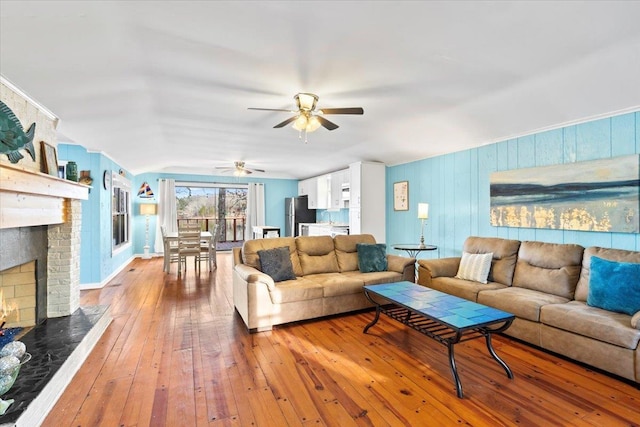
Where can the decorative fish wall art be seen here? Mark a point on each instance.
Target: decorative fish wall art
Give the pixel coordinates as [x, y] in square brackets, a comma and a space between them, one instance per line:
[13, 138]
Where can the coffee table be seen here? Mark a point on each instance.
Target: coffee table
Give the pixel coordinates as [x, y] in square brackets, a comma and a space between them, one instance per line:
[446, 318]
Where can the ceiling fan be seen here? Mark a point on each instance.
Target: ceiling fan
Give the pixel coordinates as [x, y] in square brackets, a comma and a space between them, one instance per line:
[307, 118]
[239, 169]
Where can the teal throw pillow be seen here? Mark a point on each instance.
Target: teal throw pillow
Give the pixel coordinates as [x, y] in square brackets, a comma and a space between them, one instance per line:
[614, 286]
[372, 257]
[277, 263]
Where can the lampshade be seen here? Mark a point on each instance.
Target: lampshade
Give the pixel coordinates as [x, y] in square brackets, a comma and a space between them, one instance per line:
[423, 210]
[148, 208]
[145, 190]
[306, 101]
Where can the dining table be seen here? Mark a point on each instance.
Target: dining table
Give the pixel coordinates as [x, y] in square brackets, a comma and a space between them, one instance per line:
[172, 236]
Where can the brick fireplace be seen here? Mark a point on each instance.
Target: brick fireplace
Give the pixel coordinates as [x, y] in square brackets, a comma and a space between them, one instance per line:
[40, 223]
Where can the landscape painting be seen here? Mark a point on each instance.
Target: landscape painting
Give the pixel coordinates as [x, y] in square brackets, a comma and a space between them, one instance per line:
[598, 195]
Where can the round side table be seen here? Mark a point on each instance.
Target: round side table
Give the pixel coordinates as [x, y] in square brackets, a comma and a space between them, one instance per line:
[413, 250]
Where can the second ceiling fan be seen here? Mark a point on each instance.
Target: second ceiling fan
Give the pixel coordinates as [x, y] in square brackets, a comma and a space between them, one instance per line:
[307, 118]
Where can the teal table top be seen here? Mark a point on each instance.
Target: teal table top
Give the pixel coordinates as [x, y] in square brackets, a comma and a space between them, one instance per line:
[458, 313]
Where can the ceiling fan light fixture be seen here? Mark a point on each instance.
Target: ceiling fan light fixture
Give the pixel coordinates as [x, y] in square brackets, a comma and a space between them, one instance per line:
[306, 101]
[313, 124]
[300, 123]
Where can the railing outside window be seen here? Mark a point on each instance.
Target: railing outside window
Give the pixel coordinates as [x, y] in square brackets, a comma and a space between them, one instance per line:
[234, 229]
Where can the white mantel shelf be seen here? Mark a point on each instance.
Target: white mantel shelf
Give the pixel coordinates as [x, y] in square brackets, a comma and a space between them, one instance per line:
[29, 198]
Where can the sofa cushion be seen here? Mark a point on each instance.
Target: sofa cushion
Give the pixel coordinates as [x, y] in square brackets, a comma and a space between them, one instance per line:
[372, 257]
[335, 284]
[524, 303]
[347, 252]
[300, 289]
[317, 254]
[582, 290]
[474, 267]
[276, 263]
[550, 268]
[603, 325]
[614, 286]
[250, 250]
[504, 251]
[375, 278]
[462, 288]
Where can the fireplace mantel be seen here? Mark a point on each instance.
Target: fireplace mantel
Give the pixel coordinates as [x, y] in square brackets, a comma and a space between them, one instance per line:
[29, 198]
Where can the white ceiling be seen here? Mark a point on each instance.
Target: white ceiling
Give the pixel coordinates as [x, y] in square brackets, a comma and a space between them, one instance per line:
[165, 86]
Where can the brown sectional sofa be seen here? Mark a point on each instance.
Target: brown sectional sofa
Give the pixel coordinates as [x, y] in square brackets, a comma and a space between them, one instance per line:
[546, 286]
[327, 279]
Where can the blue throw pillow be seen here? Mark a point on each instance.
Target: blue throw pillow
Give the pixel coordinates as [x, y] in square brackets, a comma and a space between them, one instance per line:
[277, 263]
[614, 286]
[372, 257]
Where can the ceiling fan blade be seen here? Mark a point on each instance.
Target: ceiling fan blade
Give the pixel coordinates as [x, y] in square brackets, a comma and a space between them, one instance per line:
[327, 124]
[271, 109]
[286, 122]
[351, 110]
[256, 170]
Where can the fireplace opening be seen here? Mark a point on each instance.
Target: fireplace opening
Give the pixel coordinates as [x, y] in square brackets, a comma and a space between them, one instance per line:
[23, 274]
[18, 296]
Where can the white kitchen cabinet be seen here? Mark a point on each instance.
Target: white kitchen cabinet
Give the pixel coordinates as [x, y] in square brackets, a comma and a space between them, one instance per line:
[309, 188]
[302, 188]
[337, 181]
[367, 199]
[323, 185]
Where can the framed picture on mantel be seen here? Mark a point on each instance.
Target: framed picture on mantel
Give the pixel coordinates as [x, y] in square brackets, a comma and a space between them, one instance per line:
[401, 196]
[49, 159]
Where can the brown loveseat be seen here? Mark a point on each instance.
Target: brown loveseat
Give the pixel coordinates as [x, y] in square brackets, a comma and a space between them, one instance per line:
[546, 286]
[327, 280]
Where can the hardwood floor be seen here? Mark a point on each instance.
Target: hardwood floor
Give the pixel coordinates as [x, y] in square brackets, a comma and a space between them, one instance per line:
[177, 354]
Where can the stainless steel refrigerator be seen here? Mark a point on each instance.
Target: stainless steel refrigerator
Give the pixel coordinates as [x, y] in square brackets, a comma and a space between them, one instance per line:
[296, 211]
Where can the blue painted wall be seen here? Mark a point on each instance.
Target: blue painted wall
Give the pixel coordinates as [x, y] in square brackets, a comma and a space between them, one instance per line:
[96, 265]
[456, 185]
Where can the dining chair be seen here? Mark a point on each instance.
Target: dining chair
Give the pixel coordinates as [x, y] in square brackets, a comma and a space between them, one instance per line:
[170, 250]
[188, 245]
[208, 248]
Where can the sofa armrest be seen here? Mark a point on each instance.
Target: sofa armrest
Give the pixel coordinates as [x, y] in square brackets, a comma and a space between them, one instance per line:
[251, 297]
[432, 268]
[403, 265]
[253, 275]
[635, 321]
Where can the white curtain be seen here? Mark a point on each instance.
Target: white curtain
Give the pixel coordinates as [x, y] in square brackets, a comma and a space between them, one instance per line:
[167, 211]
[255, 208]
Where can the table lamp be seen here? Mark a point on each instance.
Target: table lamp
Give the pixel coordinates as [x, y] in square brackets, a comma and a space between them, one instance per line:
[147, 209]
[423, 213]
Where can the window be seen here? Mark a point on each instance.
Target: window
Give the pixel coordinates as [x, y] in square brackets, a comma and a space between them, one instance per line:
[120, 211]
[224, 204]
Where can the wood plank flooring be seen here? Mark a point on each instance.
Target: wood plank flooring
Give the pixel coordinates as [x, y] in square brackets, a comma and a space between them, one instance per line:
[177, 354]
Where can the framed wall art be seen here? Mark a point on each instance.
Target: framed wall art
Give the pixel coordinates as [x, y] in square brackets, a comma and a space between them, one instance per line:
[401, 196]
[49, 159]
[595, 195]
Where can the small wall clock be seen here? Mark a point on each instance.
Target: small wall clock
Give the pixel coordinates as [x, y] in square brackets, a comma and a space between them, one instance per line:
[106, 179]
[401, 196]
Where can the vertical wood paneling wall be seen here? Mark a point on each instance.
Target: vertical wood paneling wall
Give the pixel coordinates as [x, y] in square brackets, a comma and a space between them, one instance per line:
[456, 186]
